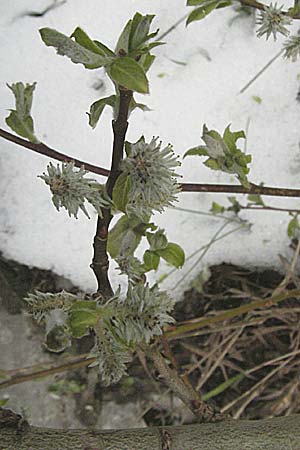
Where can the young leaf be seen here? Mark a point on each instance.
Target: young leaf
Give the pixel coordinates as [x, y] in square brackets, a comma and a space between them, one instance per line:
[172, 254]
[230, 137]
[133, 105]
[97, 108]
[195, 2]
[157, 240]
[123, 41]
[139, 30]
[128, 73]
[81, 318]
[94, 46]
[293, 229]
[216, 208]
[199, 151]
[212, 164]
[78, 54]
[151, 260]
[20, 120]
[206, 8]
[255, 198]
[122, 240]
[146, 61]
[120, 192]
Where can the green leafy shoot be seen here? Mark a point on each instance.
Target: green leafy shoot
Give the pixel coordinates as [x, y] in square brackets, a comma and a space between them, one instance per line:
[223, 153]
[133, 51]
[20, 120]
[81, 49]
[135, 35]
[235, 205]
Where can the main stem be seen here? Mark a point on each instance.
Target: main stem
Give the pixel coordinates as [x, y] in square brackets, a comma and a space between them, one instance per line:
[100, 262]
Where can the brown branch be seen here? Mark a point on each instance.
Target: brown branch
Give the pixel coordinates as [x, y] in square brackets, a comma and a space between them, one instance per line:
[269, 208]
[43, 149]
[262, 6]
[185, 187]
[237, 189]
[100, 263]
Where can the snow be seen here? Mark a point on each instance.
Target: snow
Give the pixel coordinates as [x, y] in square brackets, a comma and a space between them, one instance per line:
[218, 61]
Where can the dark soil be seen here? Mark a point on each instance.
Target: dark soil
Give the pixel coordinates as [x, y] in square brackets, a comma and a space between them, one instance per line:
[249, 366]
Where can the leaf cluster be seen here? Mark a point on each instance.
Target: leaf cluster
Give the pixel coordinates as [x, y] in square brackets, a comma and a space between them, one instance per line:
[223, 153]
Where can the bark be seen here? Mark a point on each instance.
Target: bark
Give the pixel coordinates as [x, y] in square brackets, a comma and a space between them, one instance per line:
[271, 434]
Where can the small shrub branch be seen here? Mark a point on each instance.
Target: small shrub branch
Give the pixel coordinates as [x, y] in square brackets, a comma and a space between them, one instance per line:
[185, 187]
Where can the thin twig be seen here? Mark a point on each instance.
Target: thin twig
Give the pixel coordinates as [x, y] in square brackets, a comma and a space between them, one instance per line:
[172, 28]
[17, 376]
[261, 71]
[182, 389]
[43, 149]
[270, 208]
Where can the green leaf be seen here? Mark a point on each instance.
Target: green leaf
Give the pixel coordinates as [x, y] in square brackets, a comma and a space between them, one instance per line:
[78, 54]
[230, 137]
[255, 198]
[128, 73]
[223, 386]
[94, 46]
[20, 120]
[151, 260]
[158, 240]
[172, 254]
[195, 2]
[139, 30]
[97, 108]
[3, 401]
[203, 11]
[293, 229]
[133, 105]
[146, 61]
[121, 191]
[201, 150]
[236, 206]
[257, 99]
[216, 208]
[123, 41]
[122, 239]
[212, 164]
[82, 316]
